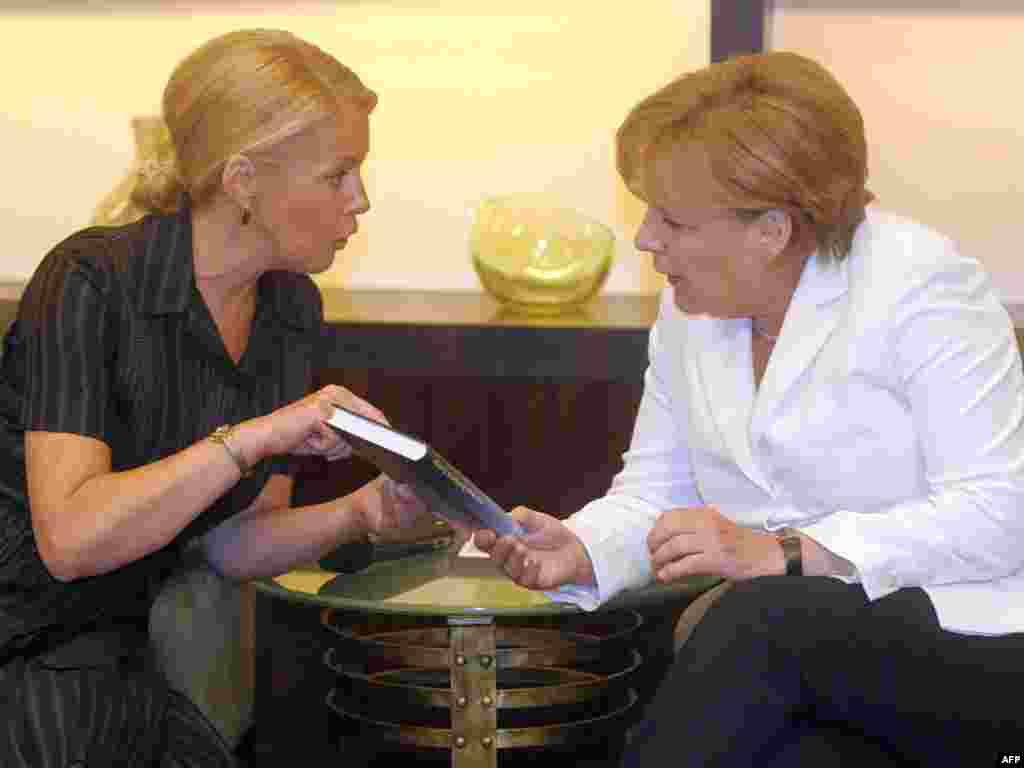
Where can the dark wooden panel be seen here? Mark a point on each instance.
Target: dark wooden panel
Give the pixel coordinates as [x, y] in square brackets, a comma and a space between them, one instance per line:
[737, 26]
[488, 351]
[550, 444]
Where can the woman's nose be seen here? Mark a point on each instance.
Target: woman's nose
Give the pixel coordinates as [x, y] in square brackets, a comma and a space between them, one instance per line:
[359, 202]
[645, 239]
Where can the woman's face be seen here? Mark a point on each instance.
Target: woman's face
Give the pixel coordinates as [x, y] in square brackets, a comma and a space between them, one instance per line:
[310, 200]
[704, 256]
[717, 263]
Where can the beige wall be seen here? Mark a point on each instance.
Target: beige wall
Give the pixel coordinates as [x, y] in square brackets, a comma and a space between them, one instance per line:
[940, 90]
[477, 98]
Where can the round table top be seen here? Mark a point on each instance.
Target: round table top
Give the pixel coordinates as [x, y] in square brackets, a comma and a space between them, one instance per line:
[443, 583]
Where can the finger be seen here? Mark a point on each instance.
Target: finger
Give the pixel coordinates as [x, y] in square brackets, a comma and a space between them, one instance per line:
[322, 436]
[341, 451]
[657, 537]
[691, 565]
[672, 523]
[394, 491]
[537, 527]
[528, 518]
[318, 444]
[399, 507]
[405, 492]
[679, 546]
[312, 445]
[502, 549]
[531, 575]
[504, 553]
[485, 540]
[516, 562]
[336, 395]
[664, 530]
[411, 507]
[516, 557]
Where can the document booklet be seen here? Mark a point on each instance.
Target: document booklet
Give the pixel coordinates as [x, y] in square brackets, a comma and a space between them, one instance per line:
[407, 459]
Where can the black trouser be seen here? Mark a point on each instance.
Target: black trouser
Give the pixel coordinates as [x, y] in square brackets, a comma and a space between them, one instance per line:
[794, 671]
[97, 703]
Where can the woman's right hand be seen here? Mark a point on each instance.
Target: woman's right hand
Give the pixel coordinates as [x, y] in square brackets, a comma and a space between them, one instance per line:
[547, 556]
[300, 428]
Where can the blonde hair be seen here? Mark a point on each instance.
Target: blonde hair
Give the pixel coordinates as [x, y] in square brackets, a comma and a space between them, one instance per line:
[245, 91]
[154, 155]
[779, 131]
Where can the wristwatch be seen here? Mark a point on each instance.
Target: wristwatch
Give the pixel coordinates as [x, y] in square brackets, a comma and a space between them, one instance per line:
[790, 543]
[222, 436]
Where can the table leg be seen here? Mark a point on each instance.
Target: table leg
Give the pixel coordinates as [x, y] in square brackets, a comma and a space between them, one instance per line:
[474, 685]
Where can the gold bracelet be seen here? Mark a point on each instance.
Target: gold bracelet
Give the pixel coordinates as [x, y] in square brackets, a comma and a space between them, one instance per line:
[222, 435]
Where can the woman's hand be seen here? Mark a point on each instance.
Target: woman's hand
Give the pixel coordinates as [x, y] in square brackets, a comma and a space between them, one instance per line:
[702, 541]
[547, 556]
[299, 428]
[391, 506]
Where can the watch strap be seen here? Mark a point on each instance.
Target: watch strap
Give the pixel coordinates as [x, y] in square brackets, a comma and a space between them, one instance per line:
[790, 543]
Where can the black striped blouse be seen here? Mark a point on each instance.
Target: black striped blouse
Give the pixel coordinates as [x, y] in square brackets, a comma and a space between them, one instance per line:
[113, 341]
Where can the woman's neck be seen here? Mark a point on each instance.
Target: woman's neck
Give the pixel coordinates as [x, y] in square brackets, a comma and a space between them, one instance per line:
[782, 282]
[226, 259]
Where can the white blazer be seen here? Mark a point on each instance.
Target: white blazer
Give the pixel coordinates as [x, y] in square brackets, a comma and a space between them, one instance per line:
[887, 426]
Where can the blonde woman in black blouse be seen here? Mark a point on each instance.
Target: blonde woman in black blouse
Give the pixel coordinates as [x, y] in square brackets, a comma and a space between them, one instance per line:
[152, 387]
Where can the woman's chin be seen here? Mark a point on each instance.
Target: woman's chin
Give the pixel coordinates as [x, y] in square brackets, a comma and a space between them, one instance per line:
[324, 264]
[690, 306]
[682, 300]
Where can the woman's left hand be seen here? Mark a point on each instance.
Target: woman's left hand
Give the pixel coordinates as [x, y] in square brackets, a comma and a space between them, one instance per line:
[393, 505]
[702, 541]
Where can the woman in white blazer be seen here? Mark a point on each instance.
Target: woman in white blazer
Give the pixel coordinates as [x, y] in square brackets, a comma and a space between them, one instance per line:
[832, 422]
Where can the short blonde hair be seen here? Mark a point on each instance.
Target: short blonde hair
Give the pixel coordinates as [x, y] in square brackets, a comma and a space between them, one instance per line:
[245, 91]
[779, 131]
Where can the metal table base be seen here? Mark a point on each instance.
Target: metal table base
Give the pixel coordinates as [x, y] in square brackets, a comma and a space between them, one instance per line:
[477, 685]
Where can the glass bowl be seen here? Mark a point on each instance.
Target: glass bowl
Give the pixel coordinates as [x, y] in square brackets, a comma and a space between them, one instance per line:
[538, 257]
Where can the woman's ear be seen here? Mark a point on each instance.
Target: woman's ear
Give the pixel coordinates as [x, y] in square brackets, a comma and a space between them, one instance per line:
[237, 180]
[774, 230]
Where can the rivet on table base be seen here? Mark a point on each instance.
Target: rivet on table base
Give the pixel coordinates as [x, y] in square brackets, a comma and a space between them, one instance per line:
[473, 679]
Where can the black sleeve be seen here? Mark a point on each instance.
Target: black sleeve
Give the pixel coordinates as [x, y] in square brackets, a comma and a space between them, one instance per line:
[67, 354]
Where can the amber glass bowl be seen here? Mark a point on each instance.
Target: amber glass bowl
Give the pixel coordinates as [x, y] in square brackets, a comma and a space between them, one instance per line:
[539, 257]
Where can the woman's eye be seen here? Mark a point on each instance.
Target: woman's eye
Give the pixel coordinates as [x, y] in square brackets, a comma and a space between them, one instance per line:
[337, 179]
[678, 226]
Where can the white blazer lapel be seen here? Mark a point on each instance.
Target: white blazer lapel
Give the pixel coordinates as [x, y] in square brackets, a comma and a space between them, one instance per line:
[722, 372]
[813, 314]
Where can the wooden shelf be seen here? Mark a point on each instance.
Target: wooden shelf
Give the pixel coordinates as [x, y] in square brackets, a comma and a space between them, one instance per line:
[464, 334]
[462, 309]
